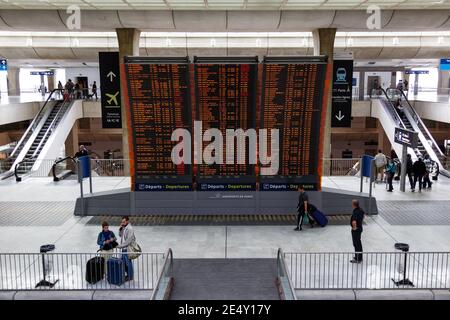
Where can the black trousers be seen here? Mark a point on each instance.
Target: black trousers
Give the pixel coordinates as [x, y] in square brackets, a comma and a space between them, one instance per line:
[389, 180]
[426, 181]
[356, 238]
[411, 180]
[418, 178]
[301, 216]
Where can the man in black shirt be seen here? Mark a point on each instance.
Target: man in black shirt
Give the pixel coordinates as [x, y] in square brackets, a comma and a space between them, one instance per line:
[303, 208]
[356, 222]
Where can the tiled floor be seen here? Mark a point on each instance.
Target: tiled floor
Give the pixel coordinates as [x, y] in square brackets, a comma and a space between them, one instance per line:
[75, 234]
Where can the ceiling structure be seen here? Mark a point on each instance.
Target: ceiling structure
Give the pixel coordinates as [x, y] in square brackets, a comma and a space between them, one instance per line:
[225, 4]
[393, 20]
[65, 49]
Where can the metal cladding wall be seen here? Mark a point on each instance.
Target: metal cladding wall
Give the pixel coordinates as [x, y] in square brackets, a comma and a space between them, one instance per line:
[124, 202]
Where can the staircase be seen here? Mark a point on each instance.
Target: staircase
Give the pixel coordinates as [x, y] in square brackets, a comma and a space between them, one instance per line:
[420, 150]
[224, 279]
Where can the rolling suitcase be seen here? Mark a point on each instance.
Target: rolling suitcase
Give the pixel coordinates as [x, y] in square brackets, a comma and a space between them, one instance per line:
[116, 271]
[319, 217]
[95, 270]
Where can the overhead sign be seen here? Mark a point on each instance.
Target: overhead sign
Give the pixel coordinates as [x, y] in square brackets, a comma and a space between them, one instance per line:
[110, 89]
[444, 65]
[3, 65]
[417, 72]
[406, 137]
[42, 73]
[342, 93]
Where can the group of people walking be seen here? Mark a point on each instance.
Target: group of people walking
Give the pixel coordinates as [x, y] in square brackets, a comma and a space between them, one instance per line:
[419, 171]
[77, 91]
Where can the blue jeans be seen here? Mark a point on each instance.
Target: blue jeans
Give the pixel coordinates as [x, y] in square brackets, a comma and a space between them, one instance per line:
[128, 264]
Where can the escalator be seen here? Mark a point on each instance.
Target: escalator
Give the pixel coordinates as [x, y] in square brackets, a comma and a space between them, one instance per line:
[409, 119]
[43, 138]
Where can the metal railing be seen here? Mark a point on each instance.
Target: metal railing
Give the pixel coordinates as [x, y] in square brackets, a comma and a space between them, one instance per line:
[67, 271]
[378, 270]
[165, 279]
[59, 163]
[109, 167]
[284, 282]
[339, 166]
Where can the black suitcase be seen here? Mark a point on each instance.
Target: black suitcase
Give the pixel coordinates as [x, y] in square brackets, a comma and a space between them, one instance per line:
[95, 270]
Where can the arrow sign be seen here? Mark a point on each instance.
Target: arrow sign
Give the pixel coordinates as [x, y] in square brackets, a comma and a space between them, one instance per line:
[340, 116]
[111, 75]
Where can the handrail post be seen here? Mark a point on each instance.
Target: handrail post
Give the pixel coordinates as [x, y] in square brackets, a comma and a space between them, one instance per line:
[80, 180]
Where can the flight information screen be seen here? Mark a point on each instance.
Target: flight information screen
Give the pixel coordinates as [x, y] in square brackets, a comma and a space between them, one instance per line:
[225, 95]
[159, 103]
[292, 102]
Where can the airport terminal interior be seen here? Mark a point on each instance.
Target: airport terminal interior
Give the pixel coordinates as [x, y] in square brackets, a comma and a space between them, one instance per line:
[225, 150]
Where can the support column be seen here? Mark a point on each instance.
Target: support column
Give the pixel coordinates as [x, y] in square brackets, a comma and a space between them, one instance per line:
[13, 81]
[51, 81]
[128, 39]
[443, 82]
[72, 144]
[362, 77]
[324, 45]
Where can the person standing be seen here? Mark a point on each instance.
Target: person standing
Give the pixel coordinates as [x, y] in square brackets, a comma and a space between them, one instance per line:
[391, 169]
[94, 90]
[429, 169]
[409, 171]
[126, 234]
[356, 222]
[419, 170]
[107, 241]
[303, 207]
[380, 163]
[60, 89]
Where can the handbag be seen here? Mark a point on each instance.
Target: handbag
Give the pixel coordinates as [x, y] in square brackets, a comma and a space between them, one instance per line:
[305, 218]
[134, 250]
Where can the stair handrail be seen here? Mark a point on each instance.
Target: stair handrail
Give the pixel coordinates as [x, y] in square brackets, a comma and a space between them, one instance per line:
[166, 272]
[282, 272]
[34, 123]
[18, 179]
[50, 127]
[57, 161]
[420, 123]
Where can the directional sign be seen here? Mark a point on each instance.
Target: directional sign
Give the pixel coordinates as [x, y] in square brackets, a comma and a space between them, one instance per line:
[444, 65]
[3, 65]
[406, 137]
[110, 89]
[42, 73]
[417, 72]
[342, 93]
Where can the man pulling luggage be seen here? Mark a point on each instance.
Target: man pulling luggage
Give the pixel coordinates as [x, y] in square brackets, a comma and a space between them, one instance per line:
[303, 208]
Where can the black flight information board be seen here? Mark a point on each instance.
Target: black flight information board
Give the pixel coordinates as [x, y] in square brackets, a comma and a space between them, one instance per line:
[225, 95]
[292, 101]
[159, 102]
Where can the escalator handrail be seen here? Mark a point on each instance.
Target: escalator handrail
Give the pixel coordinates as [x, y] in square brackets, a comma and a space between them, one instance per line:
[33, 124]
[59, 161]
[50, 127]
[420, 123]
[397, 118]
[18, 165]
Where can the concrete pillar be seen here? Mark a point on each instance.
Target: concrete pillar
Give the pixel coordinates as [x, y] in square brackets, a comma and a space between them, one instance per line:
[13, 81]
[51, 82]
[362, 76]
[128, 39]
[393, 79]
[443, 82]
[72, 144]
[324, 45]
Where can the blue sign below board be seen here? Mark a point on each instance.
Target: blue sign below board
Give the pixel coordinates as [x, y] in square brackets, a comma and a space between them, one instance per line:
[3, 65]
[42, 73]
[354, 82]
[417, 72]
[445, 64]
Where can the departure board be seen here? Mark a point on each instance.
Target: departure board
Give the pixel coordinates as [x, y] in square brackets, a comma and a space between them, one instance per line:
[292, 101]
[225, 95]
[159, 103]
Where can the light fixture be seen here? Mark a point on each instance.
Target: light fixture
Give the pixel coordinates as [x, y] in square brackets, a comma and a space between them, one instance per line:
[258, 43]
